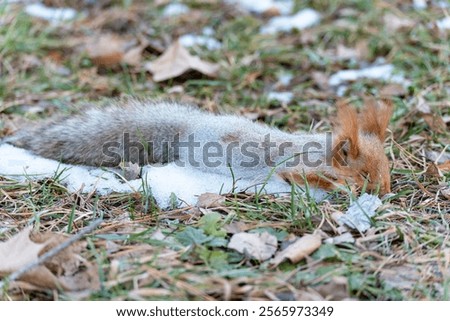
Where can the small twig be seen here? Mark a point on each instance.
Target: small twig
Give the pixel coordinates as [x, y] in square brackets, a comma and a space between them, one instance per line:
[15, 275]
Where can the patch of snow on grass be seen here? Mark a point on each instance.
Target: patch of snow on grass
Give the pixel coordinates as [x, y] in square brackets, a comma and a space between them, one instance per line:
[381, 72]
[190, 40]
[443, 24]
[261, 6]
[175, 9]
[281, 96]
[420, 4]
[54, 15]
[163, 180]
[301, 20]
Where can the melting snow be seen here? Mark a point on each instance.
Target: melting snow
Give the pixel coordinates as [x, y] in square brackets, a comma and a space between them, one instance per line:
[261, 6]
[281, 96]
[301, 20]
[190, 40]
[284, 78]
[382, 72]
[444, 23]
[163, 181]
[54, 15]
[175, 9]
[420, 4]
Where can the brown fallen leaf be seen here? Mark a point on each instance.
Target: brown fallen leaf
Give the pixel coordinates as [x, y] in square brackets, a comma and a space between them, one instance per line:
[65, 270]
[298, 250]
[177, 60]
[444, 167]
[433, 120]
[109, 50]
[336, 289]
[394, 22]
[433, 170]
[18, 251]
[207, 200]
[260, 246]
[393, 90]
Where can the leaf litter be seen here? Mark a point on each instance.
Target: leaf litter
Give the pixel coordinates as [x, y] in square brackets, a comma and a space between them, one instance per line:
[176, 61]
[413, 230]
[65, 270]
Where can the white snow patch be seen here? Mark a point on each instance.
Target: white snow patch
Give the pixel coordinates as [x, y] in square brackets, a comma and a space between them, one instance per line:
[285, 78]
[443, 24]
[442, 4]
[175, 9]
[359, 213]
[208, 31]
[381, 72]
[281, 96]
[301, 20]
[53, 15]
[260, 6]
[420, 4]
[163, 181]
[190, 40]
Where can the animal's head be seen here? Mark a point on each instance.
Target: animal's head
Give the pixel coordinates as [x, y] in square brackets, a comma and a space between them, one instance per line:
[358, 154]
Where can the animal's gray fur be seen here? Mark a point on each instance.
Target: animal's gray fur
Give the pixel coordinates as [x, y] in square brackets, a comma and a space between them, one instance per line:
[81, 139]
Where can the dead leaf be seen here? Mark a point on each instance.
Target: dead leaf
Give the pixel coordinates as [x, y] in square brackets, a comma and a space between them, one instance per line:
[207, 200]
[336, 289]
[271, 12]
[109, 50]
[321, 80]
[18, 251]
[433, 170]
[446, 192]
[300, 249]
[260, 246]
[393, 90]
[343, 52]
[66, 270]
[177, 60]
[130, 170]
[444, 167]
[89, 77]
[394, 22]
[433, 119]
[344, 238]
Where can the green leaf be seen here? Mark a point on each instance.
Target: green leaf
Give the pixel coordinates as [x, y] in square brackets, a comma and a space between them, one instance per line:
[211, 224]
[217, 260]
[191, 236]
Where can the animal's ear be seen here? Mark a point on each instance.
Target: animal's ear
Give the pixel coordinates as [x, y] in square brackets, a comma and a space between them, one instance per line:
[375, 117]
[346, 141]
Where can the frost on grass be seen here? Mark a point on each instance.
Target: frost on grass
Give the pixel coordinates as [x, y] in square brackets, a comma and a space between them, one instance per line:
[359, 213]
[301, 20]
[170, 185]
[53, 15]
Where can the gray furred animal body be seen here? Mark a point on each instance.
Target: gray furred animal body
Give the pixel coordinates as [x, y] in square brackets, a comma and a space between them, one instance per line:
[149, 132]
